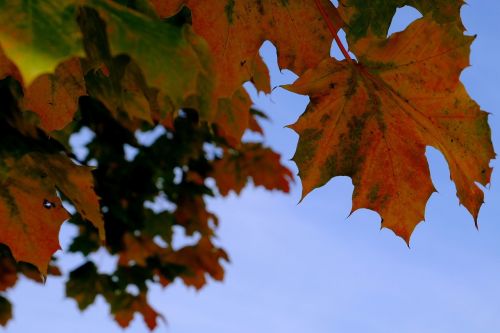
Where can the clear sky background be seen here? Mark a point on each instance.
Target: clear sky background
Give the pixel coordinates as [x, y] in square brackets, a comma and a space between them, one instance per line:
[309, 268]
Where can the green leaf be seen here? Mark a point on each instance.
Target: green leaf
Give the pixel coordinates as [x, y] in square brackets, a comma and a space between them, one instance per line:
[375, 16]
[172, 58]
[84, 285]
[38, 35]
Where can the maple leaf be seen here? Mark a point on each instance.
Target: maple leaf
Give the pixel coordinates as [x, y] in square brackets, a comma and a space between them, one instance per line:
[8, 273]
[7, 67]
[233, 116]
[252, 160]
[5, 311]
[77, 184]
[254, 125]
[123, 90]
[199, 259]
[125, 69]
[48, 33]
[31, 213]
[235, 30]
[84, 285]
[237, 58]
[39, 35]
[179, 65]
[190, 263]
[138, 250]
[372, 121]
[9, 270]
[125, 314]
[54, 97]
[374, 17]
[191, 213]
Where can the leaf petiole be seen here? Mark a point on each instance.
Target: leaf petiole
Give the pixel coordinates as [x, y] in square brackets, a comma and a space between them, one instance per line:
[332, 29]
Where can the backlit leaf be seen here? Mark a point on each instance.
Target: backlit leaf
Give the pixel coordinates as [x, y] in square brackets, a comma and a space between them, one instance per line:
[235, 30]
[7, 67]
[372, 121]
[38, 35]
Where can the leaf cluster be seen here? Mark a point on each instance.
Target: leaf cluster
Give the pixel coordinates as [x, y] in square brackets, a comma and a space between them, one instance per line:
[173, 71]
[131, 205]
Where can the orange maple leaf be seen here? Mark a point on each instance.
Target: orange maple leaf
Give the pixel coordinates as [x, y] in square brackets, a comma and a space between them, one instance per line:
[372, 121]
[254, 161]
[235, 30]
[31, 212]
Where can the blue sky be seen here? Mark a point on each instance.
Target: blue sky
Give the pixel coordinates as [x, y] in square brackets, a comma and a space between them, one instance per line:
[307, 267]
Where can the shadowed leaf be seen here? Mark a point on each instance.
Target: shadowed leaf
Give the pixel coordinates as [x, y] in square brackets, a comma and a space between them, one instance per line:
[373, 18]
[254, 161]
[5, 311]
[54, 97]
[38, 35]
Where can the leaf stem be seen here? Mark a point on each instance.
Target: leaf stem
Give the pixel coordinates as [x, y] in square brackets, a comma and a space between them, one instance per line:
[332, 29]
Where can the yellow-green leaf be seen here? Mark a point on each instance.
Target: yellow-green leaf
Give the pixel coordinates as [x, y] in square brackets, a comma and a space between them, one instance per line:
[38, 35]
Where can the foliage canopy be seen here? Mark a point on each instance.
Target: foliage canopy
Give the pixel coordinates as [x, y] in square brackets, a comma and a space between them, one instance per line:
[118, 68]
